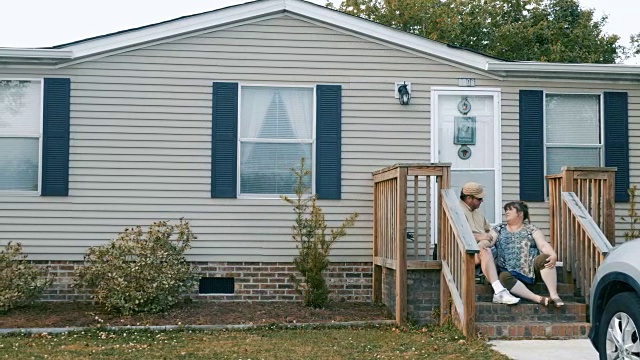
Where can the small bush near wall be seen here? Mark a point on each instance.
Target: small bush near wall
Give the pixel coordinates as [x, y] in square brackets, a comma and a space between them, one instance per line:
[140, 272]
[312, 241]
[21, 282]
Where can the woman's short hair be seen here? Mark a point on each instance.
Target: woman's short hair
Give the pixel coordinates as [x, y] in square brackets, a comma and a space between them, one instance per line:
[520, 206]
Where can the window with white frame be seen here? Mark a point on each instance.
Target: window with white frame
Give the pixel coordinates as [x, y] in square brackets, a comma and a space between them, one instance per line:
[20, 134]
[276, 130]
[573, 131]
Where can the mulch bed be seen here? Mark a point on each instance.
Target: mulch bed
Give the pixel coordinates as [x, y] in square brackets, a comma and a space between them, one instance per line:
[77, 314]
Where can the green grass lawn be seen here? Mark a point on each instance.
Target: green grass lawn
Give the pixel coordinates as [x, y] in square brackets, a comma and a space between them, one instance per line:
[266, 343]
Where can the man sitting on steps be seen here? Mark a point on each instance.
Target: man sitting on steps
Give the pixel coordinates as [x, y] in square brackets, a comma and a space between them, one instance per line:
[471, 196]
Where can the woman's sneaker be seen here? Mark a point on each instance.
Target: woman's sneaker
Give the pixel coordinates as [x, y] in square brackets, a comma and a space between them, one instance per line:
[505, 297]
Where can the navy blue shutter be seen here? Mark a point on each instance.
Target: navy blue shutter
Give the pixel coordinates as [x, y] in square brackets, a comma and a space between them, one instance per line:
[531, 145]
[55, 137]
[616, 140]
[328, 141]
[224, 138]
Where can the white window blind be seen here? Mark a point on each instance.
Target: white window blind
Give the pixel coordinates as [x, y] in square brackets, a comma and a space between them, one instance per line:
[573, 119]
[572, 131]
[20, 113]
[276, 131]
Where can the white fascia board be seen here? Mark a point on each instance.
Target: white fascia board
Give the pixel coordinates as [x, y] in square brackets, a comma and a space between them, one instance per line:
[540, 67]
[388, 34]
[174, 28]
[29, 53]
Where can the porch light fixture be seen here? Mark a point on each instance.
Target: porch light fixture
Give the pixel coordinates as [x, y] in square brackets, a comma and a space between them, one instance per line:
[404, 93]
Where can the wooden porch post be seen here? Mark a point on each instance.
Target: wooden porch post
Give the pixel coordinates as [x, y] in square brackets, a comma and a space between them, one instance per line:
[567, 234]
[445, 296]
[377, 269]
[610, 208]
[468, 295]
[443, 183]
[401, 247]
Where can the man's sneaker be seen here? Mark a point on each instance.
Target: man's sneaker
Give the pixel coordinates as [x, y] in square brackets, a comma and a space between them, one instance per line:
[505, 297]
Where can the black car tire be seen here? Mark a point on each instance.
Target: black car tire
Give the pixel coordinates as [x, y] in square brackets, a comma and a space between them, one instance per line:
[627, 303]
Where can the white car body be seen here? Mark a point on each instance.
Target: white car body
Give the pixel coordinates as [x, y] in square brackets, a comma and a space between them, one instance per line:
[618, 274]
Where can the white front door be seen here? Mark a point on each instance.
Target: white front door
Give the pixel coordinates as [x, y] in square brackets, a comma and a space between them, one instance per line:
[465, 130]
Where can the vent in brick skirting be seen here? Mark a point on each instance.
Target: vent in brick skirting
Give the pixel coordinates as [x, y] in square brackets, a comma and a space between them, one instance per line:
[216, 285]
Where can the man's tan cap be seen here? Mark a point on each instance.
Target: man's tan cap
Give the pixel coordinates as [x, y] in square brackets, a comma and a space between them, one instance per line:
[473, 189]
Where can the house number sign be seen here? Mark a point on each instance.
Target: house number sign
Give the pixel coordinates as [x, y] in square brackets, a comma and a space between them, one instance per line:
[466, 82]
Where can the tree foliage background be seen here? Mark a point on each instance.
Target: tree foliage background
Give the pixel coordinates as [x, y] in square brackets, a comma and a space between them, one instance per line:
[525, 30]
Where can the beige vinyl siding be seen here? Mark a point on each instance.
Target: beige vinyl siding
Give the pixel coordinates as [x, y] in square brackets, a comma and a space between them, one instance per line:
[510, 137]
[141, 138]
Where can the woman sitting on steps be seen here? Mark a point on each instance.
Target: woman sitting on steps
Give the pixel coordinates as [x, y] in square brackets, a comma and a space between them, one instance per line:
[524, 256]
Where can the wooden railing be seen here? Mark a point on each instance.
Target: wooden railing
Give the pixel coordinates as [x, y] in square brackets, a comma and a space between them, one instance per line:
[391, 196]
[586, 244]
[457, 250]
[594, 189]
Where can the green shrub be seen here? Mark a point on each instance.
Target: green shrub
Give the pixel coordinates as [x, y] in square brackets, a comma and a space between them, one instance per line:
[21, 282]
[140, 272]
[312, 241]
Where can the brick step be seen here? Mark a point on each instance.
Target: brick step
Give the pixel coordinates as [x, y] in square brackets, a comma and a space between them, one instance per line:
[541, 289]
[565, 298]
[527, 311]
[533, 330]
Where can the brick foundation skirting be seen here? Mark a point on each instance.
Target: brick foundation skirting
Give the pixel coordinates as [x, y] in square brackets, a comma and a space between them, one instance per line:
[254, 281]
[423, 293]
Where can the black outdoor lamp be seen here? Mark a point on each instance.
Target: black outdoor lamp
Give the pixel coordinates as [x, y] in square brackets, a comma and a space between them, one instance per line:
[404, 95]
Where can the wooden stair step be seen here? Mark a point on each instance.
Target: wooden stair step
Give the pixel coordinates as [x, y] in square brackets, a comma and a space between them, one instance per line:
[527, 311]
[533, 330]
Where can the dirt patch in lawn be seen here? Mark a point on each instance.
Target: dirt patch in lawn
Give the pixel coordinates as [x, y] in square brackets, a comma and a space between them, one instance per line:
[72, 314]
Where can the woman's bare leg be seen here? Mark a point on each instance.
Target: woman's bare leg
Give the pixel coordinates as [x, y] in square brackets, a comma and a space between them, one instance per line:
[522, 291]
[550, 278]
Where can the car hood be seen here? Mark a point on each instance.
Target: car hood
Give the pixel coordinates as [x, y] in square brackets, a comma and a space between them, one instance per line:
[624, 258]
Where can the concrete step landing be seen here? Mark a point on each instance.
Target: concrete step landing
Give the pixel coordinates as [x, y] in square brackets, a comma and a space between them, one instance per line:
[533, 330]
